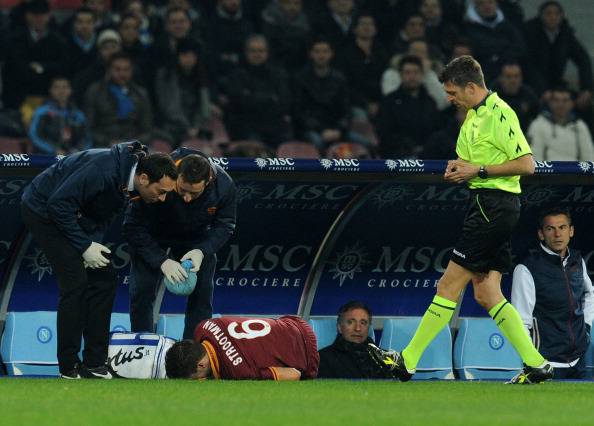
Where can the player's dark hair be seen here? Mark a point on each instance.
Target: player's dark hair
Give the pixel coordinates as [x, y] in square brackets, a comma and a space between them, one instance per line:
[181, 360]
[353, 304]
[553, 211]
[194, 169]
[157, 165]
[463, 70]
[409, 59]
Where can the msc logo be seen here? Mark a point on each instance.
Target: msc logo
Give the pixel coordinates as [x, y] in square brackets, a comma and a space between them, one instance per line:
[39, 264]
[585, 166]
[219, 161]
[405, 165]
[347, 263]
[44, 334]
[275, 163]
[496, 341]
[15, 158]
[339, 164]
[12, 186]
[534, 196]
[543, 166]
[247, 191]
[119, 328]
[390, 195]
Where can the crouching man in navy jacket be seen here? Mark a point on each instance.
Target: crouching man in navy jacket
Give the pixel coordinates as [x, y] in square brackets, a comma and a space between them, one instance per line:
[553, 294]
[194, 222]
[67, 209]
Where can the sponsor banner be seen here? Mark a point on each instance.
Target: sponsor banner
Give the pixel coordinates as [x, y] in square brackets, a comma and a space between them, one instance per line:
[395, 248]
[280, 226]
[11, 190]
[390, 254]
[36, 288]
[414, 166]
[261, 270]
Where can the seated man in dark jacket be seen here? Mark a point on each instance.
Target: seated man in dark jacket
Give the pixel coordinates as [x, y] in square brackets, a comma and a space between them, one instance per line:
[195, 221]
[348, 356]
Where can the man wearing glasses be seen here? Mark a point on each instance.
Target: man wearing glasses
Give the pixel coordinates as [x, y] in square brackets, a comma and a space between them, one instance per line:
[194, 222]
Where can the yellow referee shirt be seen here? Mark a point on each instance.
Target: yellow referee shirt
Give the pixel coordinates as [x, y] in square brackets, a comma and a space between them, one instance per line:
[491, 134]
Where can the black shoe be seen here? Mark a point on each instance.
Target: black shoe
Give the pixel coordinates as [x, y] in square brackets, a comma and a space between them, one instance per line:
[390, 360]
[532, 375]
[402, 372]
[73, 374]
[101, 372]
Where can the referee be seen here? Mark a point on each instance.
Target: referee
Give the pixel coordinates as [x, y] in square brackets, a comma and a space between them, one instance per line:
[492, 155]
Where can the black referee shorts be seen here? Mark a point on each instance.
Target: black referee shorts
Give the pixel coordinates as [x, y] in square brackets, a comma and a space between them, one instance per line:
[485, 243]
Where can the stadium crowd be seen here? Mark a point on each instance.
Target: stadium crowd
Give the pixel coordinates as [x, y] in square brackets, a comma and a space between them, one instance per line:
[333, 78]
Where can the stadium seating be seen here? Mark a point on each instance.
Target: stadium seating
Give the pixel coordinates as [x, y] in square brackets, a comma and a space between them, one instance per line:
[120, 322]
[436, 362]
[11, 145]
[8, 4]
[28, 344]
[208, 148]
[325, 331]
[481, 352]
[247, 148]
[172, 325]
[365, 128]
[297, 149]
[347, 150]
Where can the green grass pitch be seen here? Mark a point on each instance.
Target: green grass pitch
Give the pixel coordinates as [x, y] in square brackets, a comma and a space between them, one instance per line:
[43, 402]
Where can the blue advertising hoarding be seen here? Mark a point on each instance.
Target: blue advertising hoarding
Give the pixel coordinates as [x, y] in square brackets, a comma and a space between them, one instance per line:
[313, 234]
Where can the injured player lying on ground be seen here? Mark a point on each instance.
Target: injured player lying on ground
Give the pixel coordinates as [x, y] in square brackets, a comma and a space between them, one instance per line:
[222, 348]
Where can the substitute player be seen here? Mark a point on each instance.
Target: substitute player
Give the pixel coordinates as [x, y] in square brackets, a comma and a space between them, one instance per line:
[246, 348]
[492, 155]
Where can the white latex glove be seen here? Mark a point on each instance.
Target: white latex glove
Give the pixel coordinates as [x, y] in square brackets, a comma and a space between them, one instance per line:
[196, 256]
[93, 256]
[173, 271]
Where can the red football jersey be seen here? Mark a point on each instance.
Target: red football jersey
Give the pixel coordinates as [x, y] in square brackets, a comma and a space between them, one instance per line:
[250, 348]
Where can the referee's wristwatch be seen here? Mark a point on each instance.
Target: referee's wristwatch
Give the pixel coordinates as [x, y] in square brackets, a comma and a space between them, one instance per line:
[482, 173]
